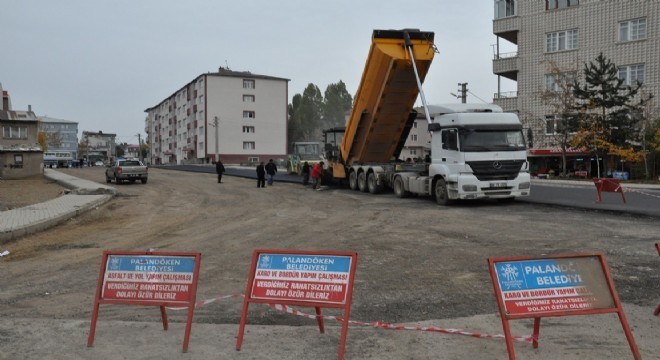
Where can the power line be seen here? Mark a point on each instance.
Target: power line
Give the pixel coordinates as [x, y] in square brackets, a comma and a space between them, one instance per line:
[482, 100]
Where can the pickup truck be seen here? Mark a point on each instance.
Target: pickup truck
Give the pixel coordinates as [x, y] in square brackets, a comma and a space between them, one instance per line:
[126, 169]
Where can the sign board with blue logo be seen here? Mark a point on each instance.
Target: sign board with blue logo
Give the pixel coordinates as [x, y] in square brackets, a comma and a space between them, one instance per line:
[558, 285]
[148, 278]
[301, 278]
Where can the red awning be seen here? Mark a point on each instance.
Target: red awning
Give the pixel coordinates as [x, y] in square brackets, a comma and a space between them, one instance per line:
[556, 150]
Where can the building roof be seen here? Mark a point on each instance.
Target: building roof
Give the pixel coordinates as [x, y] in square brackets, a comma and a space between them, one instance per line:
[18, 115]
[98, 133]
[54, 120]
[222, 72]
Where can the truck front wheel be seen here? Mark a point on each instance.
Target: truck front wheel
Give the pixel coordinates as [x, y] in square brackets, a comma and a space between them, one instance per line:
[441, 193]
[352, 180]
[399, 189]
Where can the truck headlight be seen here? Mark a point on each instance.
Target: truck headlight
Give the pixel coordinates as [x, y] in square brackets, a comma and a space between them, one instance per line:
[524, 185]
[469, 187]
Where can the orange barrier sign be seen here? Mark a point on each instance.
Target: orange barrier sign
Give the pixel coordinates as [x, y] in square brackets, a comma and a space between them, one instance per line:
[559, 285]
[148, 278]
[608, 185]
[301, 278]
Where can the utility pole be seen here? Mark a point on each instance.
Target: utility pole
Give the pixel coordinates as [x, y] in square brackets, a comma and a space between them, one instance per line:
[215, 125]
[139, 147]
[463, 91]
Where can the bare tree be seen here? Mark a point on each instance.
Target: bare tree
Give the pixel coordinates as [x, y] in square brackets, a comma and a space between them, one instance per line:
[558, 95]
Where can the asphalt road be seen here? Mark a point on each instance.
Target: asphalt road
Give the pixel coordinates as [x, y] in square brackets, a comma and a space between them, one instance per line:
[640, 200]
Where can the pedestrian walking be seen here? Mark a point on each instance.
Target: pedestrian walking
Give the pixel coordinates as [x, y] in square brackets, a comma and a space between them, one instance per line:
[317, 172]
[305, 173]
[220, 169]
[261, 175]
[271, 170]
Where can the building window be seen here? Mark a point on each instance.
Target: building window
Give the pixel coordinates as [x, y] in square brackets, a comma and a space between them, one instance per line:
[14, 132]
[413, 137]
[248, 129]
[415, 125]
[18, 160]
[248, 98]
[248, 145]
[555, 125]
[248, 84]
[561, 40]
[631, 74]
[559, 82]
[632, 30]
[248, 115]
[560, 4]
[505, 8]
[413, 152]
[253, 160]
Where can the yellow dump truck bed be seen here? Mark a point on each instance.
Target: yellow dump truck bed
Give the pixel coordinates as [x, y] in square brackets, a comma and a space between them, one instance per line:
[380, 120]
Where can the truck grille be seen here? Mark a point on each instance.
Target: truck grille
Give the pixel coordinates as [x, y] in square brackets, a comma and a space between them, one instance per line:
[496, 170]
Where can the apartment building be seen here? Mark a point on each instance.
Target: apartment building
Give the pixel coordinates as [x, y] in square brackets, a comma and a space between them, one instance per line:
[97, 146]
[418, 143]
[569, 33]
[61, 140]
[238, 115]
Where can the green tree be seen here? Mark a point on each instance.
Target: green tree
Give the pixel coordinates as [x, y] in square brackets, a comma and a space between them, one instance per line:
[606, 106]
[294, 129]
[307, 115]
[337, 102]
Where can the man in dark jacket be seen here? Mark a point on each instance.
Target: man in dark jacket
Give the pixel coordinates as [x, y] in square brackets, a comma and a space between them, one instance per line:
[220, 169]
[271, 169]
[305, 173]
[261, 175]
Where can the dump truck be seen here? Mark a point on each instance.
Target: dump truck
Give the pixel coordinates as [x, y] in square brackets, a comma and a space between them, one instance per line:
[477, 151]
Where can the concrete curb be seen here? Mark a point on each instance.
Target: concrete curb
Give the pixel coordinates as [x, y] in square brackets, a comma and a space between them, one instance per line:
[31, 219]
[84, 195]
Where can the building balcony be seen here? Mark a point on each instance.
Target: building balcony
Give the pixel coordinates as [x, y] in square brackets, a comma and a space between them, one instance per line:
[507, 28]
[508, 101]
[507, 65]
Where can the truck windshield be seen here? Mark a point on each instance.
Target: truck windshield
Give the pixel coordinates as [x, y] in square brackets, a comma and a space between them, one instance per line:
[308, 151]
[492, 140]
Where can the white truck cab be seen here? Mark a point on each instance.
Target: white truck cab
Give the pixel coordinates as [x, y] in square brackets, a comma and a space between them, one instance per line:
[477, 151]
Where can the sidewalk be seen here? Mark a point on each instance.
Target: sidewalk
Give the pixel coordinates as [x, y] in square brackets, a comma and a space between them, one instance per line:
[84, 195]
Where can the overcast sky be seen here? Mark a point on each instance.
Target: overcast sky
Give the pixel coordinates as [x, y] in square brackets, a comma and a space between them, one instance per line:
[101, 63]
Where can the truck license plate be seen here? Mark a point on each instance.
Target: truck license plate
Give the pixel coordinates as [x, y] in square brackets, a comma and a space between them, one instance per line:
[498, 185]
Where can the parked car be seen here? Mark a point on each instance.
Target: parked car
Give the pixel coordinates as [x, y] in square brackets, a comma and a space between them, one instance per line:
[126, 170]
[98, 163]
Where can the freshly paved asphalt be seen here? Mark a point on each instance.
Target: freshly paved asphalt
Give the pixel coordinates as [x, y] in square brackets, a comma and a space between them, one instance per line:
[641, 200]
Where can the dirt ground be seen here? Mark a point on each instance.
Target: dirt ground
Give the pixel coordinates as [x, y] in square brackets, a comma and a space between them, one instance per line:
[418, 264]
[24, 192]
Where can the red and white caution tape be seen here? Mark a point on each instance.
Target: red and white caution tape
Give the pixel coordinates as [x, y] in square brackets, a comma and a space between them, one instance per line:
[382, 325]
[376, 324]
[208, 301]
[640, 192]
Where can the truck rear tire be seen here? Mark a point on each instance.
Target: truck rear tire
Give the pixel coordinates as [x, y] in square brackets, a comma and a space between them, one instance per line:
[399, 189]
[352, 180]
[362, 182]
[144, 181]
[441, 193]
[372, 184]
